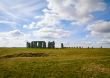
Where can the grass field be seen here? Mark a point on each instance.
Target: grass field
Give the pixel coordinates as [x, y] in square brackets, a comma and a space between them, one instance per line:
[54, 63]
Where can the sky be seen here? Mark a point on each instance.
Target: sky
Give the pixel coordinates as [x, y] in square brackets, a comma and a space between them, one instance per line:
[72, 22]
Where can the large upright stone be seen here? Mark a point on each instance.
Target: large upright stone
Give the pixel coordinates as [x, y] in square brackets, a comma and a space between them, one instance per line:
[39, 44]
[28, 45]
[32, 44]
[62, 46]
[35, 43]
[51, 44]
[44, 44]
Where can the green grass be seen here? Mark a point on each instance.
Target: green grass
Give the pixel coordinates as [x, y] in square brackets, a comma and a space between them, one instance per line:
[60, 63]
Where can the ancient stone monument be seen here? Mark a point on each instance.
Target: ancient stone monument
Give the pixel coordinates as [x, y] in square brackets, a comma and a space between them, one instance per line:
[40, 44]
[36, 44]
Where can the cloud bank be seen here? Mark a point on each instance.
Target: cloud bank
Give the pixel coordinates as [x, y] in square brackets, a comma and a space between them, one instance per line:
[43, 19]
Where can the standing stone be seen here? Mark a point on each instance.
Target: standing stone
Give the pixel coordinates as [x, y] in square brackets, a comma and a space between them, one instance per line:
[28, 45]
[44, 44]
[51, 44]
[62, 46]
[39, 44]
[32, 44]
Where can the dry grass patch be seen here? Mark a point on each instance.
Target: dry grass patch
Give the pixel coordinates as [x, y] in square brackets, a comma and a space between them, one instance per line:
[92, 67]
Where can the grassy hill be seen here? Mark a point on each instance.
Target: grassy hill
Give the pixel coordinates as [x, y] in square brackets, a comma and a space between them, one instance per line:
[54, 63]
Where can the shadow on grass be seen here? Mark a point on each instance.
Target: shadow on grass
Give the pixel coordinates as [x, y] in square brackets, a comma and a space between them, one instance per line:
[25, 55]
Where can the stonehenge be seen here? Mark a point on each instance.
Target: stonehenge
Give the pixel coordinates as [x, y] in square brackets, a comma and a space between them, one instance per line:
[40, 44]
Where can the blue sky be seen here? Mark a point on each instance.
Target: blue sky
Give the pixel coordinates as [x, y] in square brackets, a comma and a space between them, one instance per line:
[73, 22]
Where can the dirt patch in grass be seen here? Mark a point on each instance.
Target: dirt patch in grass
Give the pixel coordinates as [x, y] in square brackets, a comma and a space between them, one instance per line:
[25, 55]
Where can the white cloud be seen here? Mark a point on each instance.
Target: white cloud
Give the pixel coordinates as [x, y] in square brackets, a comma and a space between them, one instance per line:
[30, 26]
[100, 26]
[77, 10]
[16, 33]
[45, 21]
[48, 20]
[14, 38]
[100, 30]
[52, 32]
